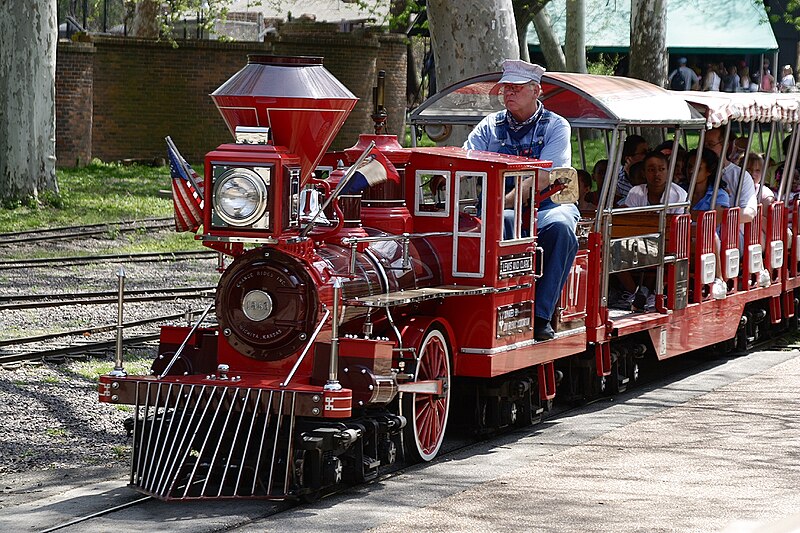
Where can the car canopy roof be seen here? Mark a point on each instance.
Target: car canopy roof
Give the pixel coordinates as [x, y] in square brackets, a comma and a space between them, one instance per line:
[585, 100]
[721, 108]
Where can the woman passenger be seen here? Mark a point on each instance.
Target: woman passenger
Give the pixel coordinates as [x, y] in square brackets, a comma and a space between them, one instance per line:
[701, 202]
[704, 187]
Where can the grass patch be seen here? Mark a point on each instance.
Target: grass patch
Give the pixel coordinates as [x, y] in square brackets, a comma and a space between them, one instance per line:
[91, 370]
[56, 432]
[121, 452]
[97, 193]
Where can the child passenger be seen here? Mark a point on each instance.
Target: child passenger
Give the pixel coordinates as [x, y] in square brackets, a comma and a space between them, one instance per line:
[653, 192]
[755, 166]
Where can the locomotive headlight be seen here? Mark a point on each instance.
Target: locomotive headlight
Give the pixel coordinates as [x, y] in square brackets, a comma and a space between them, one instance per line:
[240, 196]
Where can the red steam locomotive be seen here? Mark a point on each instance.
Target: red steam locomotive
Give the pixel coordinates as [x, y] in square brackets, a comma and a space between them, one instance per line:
[354, 320]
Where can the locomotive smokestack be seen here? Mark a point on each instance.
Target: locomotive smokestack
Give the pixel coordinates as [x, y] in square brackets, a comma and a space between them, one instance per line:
[296, 97]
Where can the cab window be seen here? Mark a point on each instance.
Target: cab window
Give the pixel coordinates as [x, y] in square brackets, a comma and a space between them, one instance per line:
[432, 193]
[517, 207]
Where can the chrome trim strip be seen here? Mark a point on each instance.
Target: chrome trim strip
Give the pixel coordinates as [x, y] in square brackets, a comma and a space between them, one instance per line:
[261, 442]
[256, 240]
[256, 405]
[205, 441]
[518, 345]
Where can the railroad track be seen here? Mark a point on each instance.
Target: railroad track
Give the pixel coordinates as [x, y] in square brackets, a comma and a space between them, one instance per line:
[15, 354]
[39, 301]
[90, 230]
[11, 264]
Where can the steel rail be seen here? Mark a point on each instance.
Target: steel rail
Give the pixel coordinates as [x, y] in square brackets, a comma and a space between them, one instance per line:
[95, 329]
[67, 350]
[93, 298]
[111, 258]
[67, 232]
[97, 514]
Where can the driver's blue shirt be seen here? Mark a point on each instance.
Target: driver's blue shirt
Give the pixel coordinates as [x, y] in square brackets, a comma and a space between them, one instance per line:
[544, 136]
[490, 136]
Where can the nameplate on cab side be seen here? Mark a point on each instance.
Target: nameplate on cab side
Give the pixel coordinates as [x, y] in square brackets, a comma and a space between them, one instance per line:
[515, 265]
[514, 319]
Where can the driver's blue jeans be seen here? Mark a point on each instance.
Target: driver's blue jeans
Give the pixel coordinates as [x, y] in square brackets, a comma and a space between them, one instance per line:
[556, 236]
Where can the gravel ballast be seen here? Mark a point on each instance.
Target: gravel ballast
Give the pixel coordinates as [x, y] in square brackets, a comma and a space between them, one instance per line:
[50, 416]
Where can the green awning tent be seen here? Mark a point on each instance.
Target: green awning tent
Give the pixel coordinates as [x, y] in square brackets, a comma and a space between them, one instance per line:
[693, 26]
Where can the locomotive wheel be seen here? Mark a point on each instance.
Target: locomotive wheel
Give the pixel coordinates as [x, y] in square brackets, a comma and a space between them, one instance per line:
[427, 413]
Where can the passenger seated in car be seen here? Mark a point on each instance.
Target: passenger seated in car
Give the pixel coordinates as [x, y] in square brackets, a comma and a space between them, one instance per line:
[584, 191]
[598, 176]
[653, 192]
[701, 202]
[633, 151]
[765, 195]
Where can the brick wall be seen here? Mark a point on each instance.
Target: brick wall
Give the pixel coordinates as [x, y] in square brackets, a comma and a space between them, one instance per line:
[355, 58]
[74, 103]
[144, 90]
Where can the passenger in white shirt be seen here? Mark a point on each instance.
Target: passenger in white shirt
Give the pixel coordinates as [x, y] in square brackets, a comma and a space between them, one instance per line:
[656, 171]
[730, 175]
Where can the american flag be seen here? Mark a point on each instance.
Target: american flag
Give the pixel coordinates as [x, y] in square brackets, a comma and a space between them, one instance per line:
[187, 191]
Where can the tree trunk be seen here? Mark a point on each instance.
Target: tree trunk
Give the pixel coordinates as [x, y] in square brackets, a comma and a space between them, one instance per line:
[470, 37]
[551, 48]
[146, 22]
[28, 36]
[575, 38]
[648, 55]
[522, 16]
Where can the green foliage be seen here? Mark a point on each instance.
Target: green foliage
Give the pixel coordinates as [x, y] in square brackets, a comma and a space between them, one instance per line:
[402, 20]
[93, 194]
[605, 65]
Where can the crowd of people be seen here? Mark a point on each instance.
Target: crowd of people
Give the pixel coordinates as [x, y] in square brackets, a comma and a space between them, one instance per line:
[730, 78]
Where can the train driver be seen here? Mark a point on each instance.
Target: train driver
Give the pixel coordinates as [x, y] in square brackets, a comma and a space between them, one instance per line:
[525, 128]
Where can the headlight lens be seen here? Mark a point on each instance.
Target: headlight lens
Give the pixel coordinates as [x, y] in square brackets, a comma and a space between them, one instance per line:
[240, 197]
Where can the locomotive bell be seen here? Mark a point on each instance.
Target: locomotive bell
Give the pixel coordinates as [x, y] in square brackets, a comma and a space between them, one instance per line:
[302, 103]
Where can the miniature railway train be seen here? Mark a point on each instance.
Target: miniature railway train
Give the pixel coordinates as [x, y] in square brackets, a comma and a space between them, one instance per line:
[355, 325]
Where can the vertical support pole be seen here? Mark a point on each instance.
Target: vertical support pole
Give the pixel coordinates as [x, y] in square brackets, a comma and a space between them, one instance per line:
[333, 370]
[119, 371]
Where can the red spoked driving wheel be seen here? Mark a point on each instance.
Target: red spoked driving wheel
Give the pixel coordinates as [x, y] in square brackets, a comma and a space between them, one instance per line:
[427, 413]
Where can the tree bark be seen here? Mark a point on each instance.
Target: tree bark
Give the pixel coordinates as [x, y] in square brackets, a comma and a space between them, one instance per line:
[28, 37]
[146, 22]
[575, 38]
[648, 55]
[522, 17]
[470, 37]
[551, 48]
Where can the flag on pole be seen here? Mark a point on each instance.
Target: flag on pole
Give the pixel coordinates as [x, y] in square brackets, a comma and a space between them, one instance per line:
[187, 191]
